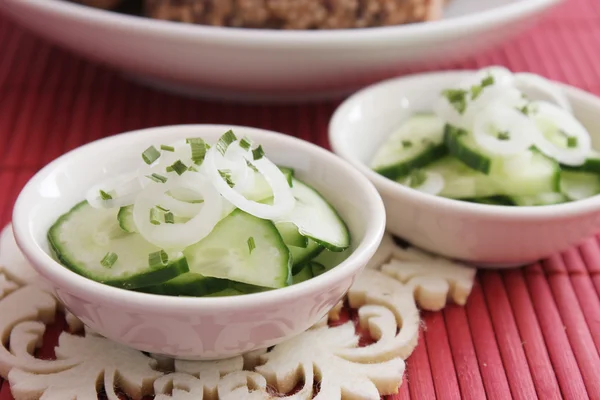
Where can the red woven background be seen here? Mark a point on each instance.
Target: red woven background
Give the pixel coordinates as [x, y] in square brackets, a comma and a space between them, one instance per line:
[524, 334]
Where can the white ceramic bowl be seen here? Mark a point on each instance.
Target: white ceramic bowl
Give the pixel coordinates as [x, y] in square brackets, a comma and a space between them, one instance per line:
[196, 328]
[261, 65]
[481, 234]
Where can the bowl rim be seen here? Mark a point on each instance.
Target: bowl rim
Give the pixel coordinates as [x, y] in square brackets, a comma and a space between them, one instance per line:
[537, 213]
[296, 38]
[60, 276]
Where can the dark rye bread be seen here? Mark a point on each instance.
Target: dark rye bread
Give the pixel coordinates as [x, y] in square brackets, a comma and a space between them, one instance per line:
[295, 14]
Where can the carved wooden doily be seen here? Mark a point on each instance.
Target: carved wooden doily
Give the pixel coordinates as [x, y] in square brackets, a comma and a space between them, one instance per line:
[327, 362]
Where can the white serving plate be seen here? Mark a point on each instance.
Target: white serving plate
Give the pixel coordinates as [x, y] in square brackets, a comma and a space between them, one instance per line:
[267, 65]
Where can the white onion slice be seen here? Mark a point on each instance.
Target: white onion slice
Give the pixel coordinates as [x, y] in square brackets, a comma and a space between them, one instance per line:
[502, 77]
[283, 200]
[433, 184]
[526, 80]
[542, 111]
[499, 118]
[178, 236]
[123, 188]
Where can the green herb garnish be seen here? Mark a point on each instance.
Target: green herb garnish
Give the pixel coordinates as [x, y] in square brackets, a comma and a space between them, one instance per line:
[162, 209]
[406, 144]
[224, 141]
[158, 259]
[199, 148]
[105, 196]
[178, 167]
[167, 148]
[524, 110]
[154, 217]
[417, 178]
[169, 218]
[457, 98]
[258, 153]
[109, 259]
[226, 175]
[245, 143]
[251, 244]
[477, 89]
[249, 164]
[157, 178]
[504, 135]
[150, 155]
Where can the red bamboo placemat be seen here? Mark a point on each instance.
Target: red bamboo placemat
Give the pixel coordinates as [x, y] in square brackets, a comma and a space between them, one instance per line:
[524, 334]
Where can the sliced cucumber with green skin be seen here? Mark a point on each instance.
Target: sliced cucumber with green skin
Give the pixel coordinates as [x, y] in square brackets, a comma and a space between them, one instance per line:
[492, 200]
[542, 199]
[289, 174]
[225, 253]
[579, 185]
[591, 164]
[316, 219]
[82, 237]
[301, 256]
[290, 234]
[419, 141]
[189, 284]
[462, 146]
[127, 224]
[318, 268]
[225, 293]
[460, 181]
[304, 274]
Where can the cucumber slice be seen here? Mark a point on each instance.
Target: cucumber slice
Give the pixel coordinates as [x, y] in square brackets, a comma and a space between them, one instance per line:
[579, 185]
[318, 268]
[493, 200]
[462, 146]
[189, 284]
[316, 219]
[225, 293]
[127, 224]
[304, 274]
[289, 174]
[83, 236]
[301, 256]
[460, 181]
[225, 252]
[290, 234]
[591, 164]
[542, 199]
[416, 143]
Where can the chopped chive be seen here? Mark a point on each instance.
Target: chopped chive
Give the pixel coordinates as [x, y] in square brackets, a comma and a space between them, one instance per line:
[258, 153]
[476, 91]
[178, 167]
[249, 164]
[150, 155]
[488, 81]
[169, 218]
[158, 259]
[504, 135]
[169, 169]
[193, 168]
[226, 175]
[199, 148]
[105, 196]
[167, 148]
[157, 178]
[251, 244]
[524, 110]
[245, 143]
[417, 178]
[154, 217]
[162, 209]
[406, 144]
[572, 141]
[457, 98]
[109, 259]
[224, 141]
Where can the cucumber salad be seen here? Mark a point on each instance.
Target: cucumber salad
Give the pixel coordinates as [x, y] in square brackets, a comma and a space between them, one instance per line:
[486, 141]
[201, 220]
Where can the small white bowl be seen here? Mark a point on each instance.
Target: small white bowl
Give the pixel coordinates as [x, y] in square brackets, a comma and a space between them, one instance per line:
[266, 64]
[196, 328]
[485, 235]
